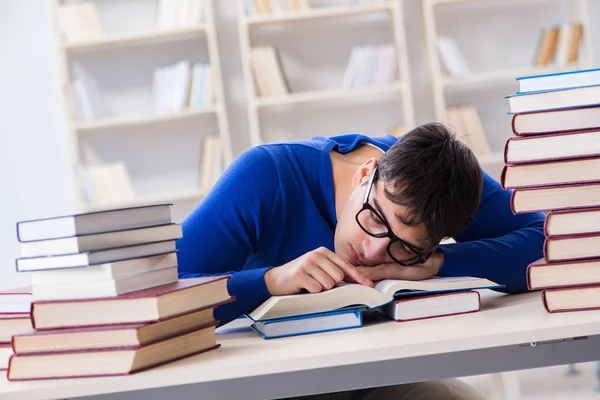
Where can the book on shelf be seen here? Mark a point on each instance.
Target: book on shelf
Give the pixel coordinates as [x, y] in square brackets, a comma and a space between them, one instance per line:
[552, 147]
[559, 45]
[78, 22]
[572, 222]
[179, 14]
[106, 183]
[351, 295]
[552, 173]
[99, 241]
[106, 362]
[101, 221]
[371, 65]
[550, 274]
[150, 305]
[466, 122]
[546, 47]
[267, 71]
[274, 7]
[424, 306]
[84, 95]
[308, 324]
[453, 61]
[212, 162]
[109, 337]
[562, 120]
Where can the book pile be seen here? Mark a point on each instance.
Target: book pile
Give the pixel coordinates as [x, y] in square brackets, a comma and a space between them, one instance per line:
[15, 305]
[341, 307]
[553, 165]
[106, 299]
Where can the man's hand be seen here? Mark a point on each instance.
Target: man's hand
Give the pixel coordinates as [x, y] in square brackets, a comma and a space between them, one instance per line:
[412, 273]
[317, 270]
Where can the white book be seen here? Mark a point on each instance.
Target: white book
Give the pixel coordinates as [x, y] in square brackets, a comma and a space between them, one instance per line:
[351, 68]
[104, 288]
[110, 183]
[452, 57]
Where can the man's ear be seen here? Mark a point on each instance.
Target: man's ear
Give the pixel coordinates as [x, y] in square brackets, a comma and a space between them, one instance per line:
[363, 172]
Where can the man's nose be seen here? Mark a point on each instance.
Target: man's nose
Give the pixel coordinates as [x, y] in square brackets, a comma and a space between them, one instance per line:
[375, 249]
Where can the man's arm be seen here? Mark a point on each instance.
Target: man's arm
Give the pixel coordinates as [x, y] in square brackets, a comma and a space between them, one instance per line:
[224, 230]
[497, 244]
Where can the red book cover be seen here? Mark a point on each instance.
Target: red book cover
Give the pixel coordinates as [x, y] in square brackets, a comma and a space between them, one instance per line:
[420, 297]
[554, 111]
[511, 140]
[154, 292]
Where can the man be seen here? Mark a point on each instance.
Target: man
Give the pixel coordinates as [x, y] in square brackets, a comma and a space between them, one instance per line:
[306, 215]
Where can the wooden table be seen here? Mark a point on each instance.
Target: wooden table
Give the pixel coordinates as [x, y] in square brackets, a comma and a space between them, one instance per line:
[510, 332]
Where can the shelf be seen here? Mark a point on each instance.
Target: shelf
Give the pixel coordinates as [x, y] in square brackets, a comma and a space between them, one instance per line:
[322, 12]
[151, 199]
[122, 122]
[324, 95]
[151, 38]
[492, 158]
[508, 74]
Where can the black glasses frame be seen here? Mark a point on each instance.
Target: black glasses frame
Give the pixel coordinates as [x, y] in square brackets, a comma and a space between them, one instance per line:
[421, 257]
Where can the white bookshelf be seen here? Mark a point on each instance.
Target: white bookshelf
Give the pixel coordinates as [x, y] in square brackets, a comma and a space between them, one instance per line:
[138, 125]
[493, 83]
[381, 15]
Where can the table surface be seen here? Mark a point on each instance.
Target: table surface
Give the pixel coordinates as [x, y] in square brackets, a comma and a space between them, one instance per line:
[503, 320]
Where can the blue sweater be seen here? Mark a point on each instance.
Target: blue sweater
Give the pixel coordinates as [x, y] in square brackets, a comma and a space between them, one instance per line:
[275, 202]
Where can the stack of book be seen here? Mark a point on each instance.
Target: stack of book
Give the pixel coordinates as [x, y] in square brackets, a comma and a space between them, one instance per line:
[15, 305]
[106, 299]
[553, 165]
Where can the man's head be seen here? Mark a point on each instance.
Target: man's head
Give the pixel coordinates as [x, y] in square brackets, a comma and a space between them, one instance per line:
[427, 188]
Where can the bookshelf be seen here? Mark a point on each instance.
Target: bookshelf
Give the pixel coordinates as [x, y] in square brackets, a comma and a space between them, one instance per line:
[455, 53]
[157, 146]
[310, 79]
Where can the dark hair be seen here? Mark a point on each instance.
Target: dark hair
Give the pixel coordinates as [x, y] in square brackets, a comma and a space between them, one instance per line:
[436, 177]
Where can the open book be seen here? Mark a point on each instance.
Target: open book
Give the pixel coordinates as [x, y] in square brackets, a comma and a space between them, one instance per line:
[356, 295]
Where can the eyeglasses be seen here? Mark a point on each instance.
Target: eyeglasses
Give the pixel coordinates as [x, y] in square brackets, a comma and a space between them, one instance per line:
[375, 225]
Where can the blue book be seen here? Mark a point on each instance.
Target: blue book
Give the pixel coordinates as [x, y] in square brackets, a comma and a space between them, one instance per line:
[352, 295]
[554, 99]
[308, 324]
[559, 80]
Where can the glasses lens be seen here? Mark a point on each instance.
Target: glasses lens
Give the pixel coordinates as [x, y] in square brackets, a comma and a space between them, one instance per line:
[401, 253]
[371, 223]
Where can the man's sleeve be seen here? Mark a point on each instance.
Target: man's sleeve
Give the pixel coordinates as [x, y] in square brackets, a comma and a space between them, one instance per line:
[224, 230]
[497, 244]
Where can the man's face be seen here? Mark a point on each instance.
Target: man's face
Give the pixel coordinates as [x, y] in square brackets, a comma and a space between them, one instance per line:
[357, 247]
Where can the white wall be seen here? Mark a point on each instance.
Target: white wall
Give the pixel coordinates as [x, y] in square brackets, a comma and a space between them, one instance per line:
[34, 171]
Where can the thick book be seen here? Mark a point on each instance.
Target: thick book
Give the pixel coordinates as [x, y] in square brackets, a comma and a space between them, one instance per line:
[109, 271]
[551, 173]
[308, 324]
[558, 80]
[94, 222]
[351, 295]
[99, 241]
[542, 274]
[109, 337]
[150, 305]
[572, 299]
[13, 324]
[103, 362]
[562, 120]
[418, 307]
[16, 300]
[543, 148]
[572, 222]
[555, 198]
[94, 257]
[553, 99]
[106, 287]
[571, 248]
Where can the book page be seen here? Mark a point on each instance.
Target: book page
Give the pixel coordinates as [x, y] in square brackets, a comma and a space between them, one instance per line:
[390, 287]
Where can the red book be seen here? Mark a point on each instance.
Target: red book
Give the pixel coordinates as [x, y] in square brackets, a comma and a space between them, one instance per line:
[109, 362]
[572, 222]
[572, 299]
[555, 198]
[542, 274]
[572, 247]
[150, 305]
[559, 120]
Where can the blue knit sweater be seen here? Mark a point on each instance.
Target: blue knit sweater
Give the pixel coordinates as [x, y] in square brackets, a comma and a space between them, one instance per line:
[276, 202]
